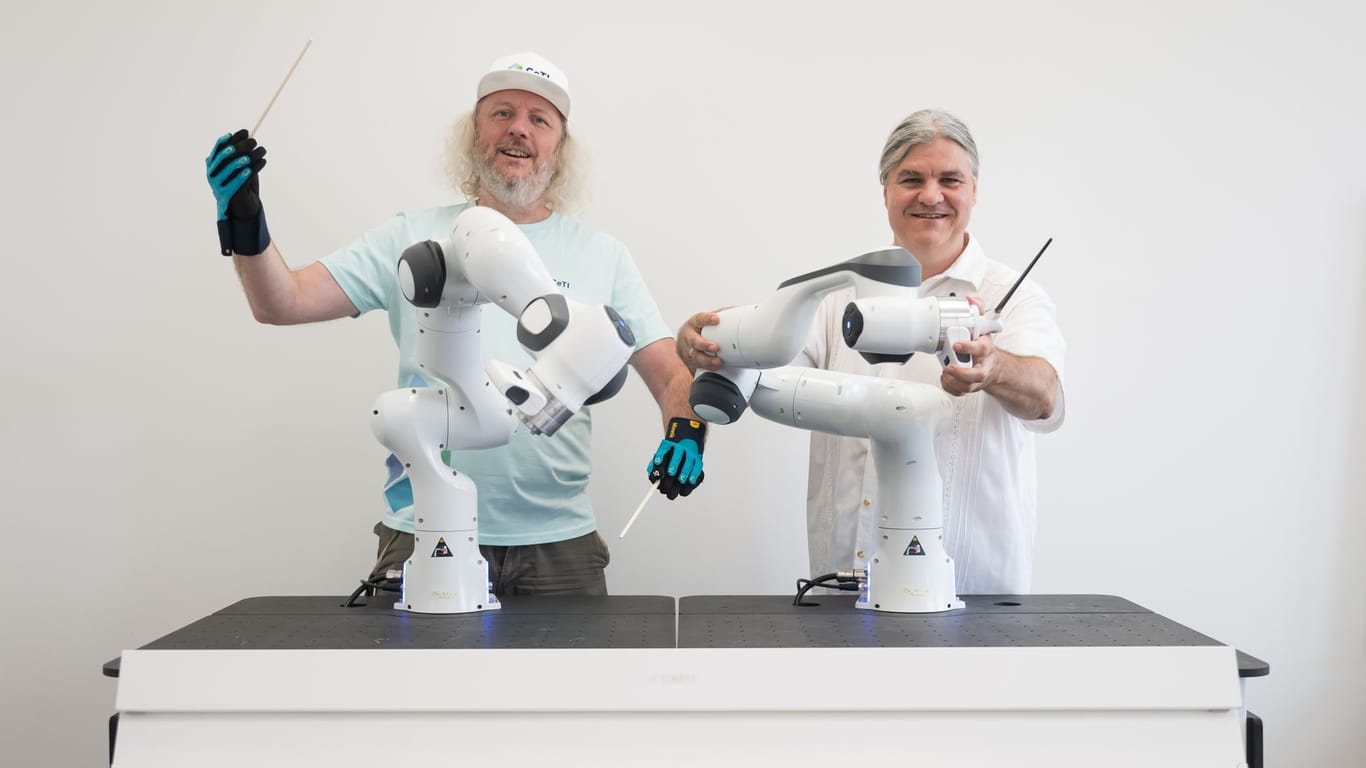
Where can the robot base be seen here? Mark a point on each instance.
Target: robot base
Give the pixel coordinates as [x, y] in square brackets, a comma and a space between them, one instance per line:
[910, 572]
[446, 574]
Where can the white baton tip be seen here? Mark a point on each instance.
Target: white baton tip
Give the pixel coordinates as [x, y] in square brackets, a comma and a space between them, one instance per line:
[648, 495]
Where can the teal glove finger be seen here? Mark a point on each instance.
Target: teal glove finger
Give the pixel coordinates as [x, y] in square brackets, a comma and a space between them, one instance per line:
[695, 471]
[691, 464]
[665, 446]
[226, 175]
[685, 454]
[217, 147]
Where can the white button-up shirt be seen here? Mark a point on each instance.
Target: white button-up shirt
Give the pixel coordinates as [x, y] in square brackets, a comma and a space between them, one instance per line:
[985, 455]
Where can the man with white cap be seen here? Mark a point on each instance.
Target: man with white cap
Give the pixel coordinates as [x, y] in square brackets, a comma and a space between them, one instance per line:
[513, 153]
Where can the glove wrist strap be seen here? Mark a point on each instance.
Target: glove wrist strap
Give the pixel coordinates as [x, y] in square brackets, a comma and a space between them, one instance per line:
[225, 237]
[247, 237]
[687, 429]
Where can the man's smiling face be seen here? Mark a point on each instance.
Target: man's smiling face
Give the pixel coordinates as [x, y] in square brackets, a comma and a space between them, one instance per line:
[929, 198]
[517, 136]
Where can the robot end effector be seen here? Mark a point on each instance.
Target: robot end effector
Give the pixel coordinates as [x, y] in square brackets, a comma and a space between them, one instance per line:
[573, 366]
[889, 329]
[885, 329]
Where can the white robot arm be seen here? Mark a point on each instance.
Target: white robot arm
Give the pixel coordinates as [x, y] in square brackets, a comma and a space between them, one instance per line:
[898, 327]
[910, 569]
[580, 354]
[758, 336]
[885, 323]
[879, 327]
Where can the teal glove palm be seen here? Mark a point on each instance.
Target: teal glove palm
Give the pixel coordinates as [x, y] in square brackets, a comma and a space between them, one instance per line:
[682, 447]
[232, 168]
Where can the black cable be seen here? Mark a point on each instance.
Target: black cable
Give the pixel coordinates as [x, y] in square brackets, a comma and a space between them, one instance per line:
[370, 586]
[806, 585]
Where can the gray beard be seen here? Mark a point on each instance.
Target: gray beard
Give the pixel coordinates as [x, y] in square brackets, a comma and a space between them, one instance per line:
[519, 193]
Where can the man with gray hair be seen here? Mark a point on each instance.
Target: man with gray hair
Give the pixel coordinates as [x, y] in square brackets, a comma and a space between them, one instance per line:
[1013, 390]
[513, 153]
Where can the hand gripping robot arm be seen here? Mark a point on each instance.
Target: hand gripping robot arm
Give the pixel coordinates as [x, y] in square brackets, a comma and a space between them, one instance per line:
[580, 354]
[910, 570]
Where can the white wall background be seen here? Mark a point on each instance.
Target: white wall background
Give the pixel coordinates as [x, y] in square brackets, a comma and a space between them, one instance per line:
[1201, 165]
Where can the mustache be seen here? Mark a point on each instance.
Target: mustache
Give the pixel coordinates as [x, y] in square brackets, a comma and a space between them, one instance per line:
[517, 145]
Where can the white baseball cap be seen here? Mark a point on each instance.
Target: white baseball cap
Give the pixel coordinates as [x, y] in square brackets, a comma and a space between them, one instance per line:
[527, 72]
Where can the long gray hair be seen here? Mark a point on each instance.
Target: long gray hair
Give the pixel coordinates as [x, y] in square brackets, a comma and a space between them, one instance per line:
[924, 127]
[561, 194]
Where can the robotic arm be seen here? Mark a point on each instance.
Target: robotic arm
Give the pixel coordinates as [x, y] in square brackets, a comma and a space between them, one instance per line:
[580, 354]
[910, 569]
[770, 334]
[881, 327]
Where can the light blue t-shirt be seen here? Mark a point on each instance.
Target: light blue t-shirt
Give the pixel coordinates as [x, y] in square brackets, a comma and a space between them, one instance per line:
[534, 489]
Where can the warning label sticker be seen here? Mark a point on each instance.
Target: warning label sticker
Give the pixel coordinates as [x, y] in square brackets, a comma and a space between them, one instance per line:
[441, 549]
[914, 547]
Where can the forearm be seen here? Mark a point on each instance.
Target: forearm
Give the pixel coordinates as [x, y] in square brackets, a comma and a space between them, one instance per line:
[1027, 387]
[279, 295]
[673, 401]
[667, 379]
[268, 284]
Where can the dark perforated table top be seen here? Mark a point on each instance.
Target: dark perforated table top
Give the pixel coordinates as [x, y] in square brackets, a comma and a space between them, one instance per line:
[522, 622]
[766, 621]
[761, 621]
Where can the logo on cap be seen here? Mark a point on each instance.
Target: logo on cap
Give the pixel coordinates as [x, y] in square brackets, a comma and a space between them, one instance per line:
[520, 68]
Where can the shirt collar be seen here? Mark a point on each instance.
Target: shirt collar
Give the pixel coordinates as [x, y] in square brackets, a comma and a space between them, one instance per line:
[970, 267]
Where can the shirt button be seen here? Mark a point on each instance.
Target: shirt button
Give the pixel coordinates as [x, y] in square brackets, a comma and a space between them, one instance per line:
[867, 502]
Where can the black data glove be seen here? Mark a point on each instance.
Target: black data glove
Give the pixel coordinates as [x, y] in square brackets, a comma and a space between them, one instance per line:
[677, 463]
[233, 168]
